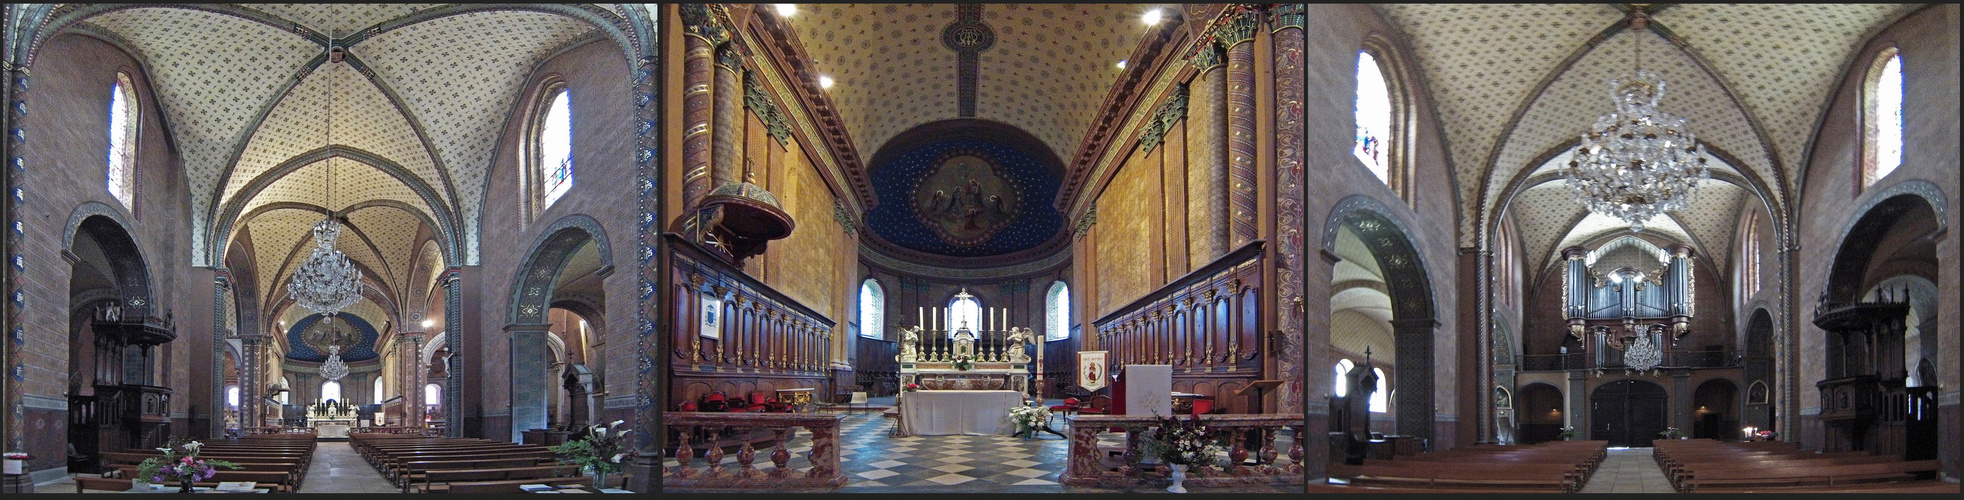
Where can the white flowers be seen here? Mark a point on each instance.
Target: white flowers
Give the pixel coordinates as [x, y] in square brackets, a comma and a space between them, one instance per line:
[1030, 416]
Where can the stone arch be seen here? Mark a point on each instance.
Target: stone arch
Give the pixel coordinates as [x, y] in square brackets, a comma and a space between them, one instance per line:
[227, 216]
[531, 296]
[1413, 313]
[1860, 236]
[132, 273]
[1715, 412]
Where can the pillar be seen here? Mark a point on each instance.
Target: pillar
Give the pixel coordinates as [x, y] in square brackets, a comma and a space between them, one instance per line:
[221, 286]
[1681, 402]
[727, 96]
[700, 36]
[252, 380]
[409, 377]
[1414, 339]
[1577, 413]
[1237, 34]
[1290, 86]
[1207, 170]
[453, 373]
[529, 384]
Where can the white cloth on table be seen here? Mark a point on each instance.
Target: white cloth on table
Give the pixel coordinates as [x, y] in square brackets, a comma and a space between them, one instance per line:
[971, 413]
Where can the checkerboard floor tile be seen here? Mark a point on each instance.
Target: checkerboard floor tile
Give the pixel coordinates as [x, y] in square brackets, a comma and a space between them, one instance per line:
[875, 462]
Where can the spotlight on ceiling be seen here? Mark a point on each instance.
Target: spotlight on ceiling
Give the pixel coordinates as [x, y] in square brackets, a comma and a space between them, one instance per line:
[824, 82]
[1152, 17]
[1121, 64]
[786, 9]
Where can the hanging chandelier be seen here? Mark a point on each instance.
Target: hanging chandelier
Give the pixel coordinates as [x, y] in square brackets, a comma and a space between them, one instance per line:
[1636, 162]
[327, 282]
[334, 368]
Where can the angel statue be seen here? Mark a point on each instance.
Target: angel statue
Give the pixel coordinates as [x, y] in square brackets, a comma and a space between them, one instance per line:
[1018, 337]
[909, 338]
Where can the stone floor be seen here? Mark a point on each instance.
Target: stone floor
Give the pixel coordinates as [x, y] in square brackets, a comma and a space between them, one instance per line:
[336, 468]
[1628, 470]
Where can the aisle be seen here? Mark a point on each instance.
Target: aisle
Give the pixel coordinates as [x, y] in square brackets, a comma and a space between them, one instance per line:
[336, 468]
[1628, 470]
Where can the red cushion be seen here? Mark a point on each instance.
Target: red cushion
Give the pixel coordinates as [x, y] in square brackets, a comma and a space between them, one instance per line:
[757, 398]
[716, 397]
[688, 406]
[1063, 408]
[1203, 406]
[1070, 401]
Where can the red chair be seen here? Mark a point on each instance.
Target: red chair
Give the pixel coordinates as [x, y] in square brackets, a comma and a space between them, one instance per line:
[715, 402]
[757, 403]
[1203, 406]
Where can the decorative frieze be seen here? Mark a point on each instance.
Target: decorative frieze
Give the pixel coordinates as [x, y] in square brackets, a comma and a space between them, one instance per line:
[1168, 113]
[760, 102]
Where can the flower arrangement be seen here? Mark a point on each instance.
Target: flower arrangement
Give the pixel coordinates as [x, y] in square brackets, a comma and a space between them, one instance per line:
[911, 387]
[1029, 418]
[1185, 442]
[183, 469]
[1671, 433]
[963, 362]
[599, 449]
[1569, 432]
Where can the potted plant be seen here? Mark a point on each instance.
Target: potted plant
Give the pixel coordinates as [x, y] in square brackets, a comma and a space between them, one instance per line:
[1671, 433]
[963, 362]
[1569, 433]
[1182, 445]
[598, 450]
[184, 469]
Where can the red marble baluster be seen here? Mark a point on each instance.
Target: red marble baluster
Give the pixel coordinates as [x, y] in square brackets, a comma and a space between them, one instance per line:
[715, 455]
[745, 456]
[1296, 450]
[1239, 453]
[780, 456]
[1267, 456]
[683, 455]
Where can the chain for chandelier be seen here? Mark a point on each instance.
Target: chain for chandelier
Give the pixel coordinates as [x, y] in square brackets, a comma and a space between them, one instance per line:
[327, 282]
[1637, 162]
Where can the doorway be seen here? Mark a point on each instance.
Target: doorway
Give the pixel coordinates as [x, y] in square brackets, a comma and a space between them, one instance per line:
[1627, 412]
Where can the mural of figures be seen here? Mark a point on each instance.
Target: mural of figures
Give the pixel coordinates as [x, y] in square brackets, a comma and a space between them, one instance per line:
[965, 201]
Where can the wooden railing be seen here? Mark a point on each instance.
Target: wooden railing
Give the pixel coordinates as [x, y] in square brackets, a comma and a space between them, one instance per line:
[714, 426]
[254, 431]
[763, 340]
[1206, 325]
[1255, 439]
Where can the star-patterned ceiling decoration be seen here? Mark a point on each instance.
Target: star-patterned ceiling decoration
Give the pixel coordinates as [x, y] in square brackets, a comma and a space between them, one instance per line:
[1546, 212]
[425, 91]
[1360, 309]
[1514, 82]
[1047, 72]
[898, 180]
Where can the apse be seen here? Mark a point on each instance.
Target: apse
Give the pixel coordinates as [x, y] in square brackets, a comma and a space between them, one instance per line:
[965, 188]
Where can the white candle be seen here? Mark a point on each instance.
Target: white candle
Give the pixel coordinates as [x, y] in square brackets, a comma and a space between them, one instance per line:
[920, 314]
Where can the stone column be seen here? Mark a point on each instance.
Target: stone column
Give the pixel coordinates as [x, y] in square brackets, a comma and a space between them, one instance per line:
[252, 380]
[1291, 217]
[221, 286]
[1207, 170]
[529, 385]
[700, 35]
[1237, 34]
[1681, 402]
[1577, 413]
[453, 372]
[1414, 339]
[13, 91]
[728, 112]
[409, 377]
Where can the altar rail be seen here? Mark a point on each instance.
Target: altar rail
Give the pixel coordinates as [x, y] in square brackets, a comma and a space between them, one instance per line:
[764, 340]
[824, 454]
[423, 431]
[254, 431]
[1255, 438]
[1207, 325]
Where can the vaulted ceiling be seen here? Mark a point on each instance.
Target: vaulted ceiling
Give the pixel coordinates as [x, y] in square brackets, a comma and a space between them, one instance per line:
[1047, 71]
[1514, 84]
[398, 138]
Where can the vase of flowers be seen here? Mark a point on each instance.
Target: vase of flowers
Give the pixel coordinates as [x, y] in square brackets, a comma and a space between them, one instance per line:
[1184, 445]
[1671, 433]
[182, 469]
[1569, 433]
[598, 449]
[911, 387]
[963, 362]
[1029, 418]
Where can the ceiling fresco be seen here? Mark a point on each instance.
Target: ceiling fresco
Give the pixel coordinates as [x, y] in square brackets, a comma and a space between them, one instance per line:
[309, 338]
[964, 197]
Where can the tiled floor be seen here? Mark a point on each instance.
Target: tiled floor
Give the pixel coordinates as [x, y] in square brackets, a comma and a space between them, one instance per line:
[877, 463]
[1628, 470]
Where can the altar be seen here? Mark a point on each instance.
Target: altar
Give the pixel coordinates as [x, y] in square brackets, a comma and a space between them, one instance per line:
[958, 412]
[332, 429]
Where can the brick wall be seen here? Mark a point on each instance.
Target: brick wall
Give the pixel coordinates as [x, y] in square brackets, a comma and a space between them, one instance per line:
[67, 128]
[1927, 40]
[596, 77]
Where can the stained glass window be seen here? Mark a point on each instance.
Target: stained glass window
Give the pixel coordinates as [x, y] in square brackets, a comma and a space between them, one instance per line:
[331, 391]
[1373, 117]
[1058, 304]
[964, 311]
[556, 149]
[1343, 377]
[1887, 119]
[872, 310]
[432, 395]
[1379, 403]
[122, 141]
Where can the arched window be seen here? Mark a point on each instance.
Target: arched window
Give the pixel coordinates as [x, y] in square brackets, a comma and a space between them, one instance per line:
[331, 391]
[1884, 117]
[552, 148]
[122, 141]
[1749, 256]
[378, 392]
[964, 311]
[432, 395]
[1057, 303]
[1374, 113]
[232, 396]
[1343, 377]
[1380, 399]
[872, 310]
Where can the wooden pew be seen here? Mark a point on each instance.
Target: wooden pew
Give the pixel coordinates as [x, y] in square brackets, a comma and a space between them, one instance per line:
[398, 466]
[1825, 475]
[1355, 489]
[1547, 477]
[510, 485]
[1920, 486]
[438, 481]
[415, 470]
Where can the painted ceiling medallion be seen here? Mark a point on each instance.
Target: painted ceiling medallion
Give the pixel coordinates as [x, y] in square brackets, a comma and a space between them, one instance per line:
[965, 201]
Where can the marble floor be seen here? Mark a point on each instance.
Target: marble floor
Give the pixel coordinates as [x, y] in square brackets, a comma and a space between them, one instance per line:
[875, 462]
[1628, 470]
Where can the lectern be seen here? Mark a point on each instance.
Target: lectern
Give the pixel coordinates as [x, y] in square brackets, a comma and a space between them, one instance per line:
[1257, 387]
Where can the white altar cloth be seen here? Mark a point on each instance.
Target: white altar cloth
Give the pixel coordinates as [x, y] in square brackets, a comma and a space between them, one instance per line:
[970, 413]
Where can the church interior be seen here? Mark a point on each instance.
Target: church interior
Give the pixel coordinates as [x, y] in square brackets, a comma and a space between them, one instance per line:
[981, 248]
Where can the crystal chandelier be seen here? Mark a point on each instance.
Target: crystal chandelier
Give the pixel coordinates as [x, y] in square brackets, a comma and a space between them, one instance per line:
[1638, 161]
[327, 282]
[334, 368]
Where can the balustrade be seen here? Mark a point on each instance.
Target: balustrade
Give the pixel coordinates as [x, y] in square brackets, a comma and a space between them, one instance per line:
[1254, 436]
[715, 427]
